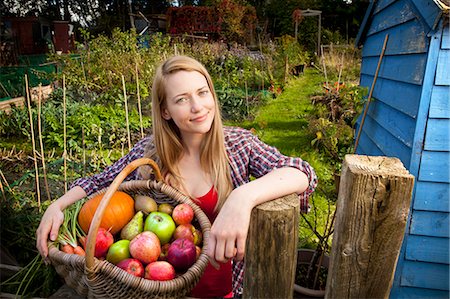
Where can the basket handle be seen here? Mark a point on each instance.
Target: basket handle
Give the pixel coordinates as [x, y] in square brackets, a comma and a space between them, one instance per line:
[93, 229]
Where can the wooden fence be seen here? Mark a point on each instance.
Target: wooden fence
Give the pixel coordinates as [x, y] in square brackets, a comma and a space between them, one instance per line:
[372, 210]
[20, 101]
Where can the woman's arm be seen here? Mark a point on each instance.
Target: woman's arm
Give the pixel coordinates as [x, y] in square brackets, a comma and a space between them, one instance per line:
[229, 230]
[54, 217]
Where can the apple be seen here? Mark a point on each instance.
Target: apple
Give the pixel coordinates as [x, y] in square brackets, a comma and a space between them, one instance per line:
[184, 231]
[165, 208]
[160, 270]
[181, 254]
[103, 241]
[182, 214]
[164, 250]
[132, 266]
[118, 251]
[145, 247]
[161, 224]
[198, 236]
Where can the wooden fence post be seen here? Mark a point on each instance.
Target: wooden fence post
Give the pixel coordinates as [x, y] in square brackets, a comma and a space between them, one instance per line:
[271, 250]
[372, 210]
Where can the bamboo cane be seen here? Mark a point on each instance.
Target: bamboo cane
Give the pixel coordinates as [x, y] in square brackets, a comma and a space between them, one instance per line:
[139, 101]
[126, 112]
[84, 151]
[358, 136]
[65, 137]
[44, 169]
[38, 191]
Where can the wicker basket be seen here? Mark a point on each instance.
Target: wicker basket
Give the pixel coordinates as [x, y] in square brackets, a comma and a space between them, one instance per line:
[94, 278]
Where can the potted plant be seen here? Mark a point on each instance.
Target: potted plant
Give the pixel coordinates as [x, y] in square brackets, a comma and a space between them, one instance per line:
[313, 259]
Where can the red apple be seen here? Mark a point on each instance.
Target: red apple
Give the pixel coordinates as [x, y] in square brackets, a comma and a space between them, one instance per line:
[181, 254]
[145, 247]
[184, 231]
[103, 240]
[182, 214]
[164, 250]
[160, 270]
[132, 266]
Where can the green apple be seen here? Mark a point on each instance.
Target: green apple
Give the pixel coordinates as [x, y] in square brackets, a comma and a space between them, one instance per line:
[118, 251]
[161, 224]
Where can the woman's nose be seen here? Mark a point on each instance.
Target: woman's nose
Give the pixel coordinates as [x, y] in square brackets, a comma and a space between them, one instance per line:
[196, 105]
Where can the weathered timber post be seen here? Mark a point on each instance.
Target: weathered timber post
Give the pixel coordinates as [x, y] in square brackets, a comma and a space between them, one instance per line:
[271, 250]
[371, 214]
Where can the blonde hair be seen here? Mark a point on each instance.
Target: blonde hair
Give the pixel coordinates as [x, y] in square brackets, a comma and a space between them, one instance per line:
[167, 140]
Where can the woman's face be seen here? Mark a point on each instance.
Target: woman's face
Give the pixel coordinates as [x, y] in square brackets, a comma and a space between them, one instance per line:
[189, 103]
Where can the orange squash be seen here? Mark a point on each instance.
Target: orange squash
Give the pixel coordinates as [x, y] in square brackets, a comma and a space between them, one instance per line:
[118, 213]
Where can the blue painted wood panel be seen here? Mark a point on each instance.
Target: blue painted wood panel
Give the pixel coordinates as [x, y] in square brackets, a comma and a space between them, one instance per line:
[434, 224]
[404, 68]
[406, 38]
[366, 146]
[434, 167]
[445, 43]
[397, 13]
[385, 141]
[431, 196]
[402, 96]
[440, 102]
[425, 275]
[427, 249]
[417, 293]
[437, 137]
[398, 124]
[427, 10]
[382, 4]
[443, 68]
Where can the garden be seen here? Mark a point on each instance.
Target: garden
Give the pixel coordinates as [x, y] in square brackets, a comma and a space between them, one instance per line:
[100, 106]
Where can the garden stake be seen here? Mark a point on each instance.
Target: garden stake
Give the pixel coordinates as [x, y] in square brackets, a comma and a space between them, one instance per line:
[38, 192]
[41, 143]
[341, 65]
[126, 113]
[139, 101]
[325, 69]
[370, 93]
[6, 182]
[65, 138]
[84, 151]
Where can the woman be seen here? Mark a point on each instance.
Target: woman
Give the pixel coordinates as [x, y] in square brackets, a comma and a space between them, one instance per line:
[208, 162]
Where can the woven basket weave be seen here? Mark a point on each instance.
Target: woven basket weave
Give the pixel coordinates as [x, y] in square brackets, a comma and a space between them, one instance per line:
[94, 278]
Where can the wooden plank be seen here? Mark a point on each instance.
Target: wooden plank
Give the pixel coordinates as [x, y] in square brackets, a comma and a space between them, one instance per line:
[437, 136]
[425, 275]
[434, 167]
[367, 147]
[427, 249]
[396, 123]
[382, 4]
[443, 66]
[406, 38]
[399, 95]
[434, 224]
[385, 141]
[440, 103]
[445, 43]
[417, 293]
[404, 68]
[371, 214]
[397, 13]
[275, 224]
[428, 11]
[431, 196]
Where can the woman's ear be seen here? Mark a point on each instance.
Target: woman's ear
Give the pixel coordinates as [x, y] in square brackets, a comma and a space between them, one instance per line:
[165, 114]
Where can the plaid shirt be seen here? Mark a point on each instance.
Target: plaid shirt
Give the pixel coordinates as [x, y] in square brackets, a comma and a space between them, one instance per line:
[248, 157]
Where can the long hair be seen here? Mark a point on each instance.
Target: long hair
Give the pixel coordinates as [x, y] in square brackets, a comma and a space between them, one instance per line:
[167, 139]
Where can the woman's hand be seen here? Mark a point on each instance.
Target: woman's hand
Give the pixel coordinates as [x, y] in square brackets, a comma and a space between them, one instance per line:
[229, 230]
[50, 223]
[54, 217]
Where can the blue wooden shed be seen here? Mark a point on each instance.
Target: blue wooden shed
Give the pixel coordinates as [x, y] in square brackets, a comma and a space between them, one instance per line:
[409, 118]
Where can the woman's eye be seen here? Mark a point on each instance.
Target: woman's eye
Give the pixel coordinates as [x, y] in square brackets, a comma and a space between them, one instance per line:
[182, 100]
[203, 92]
